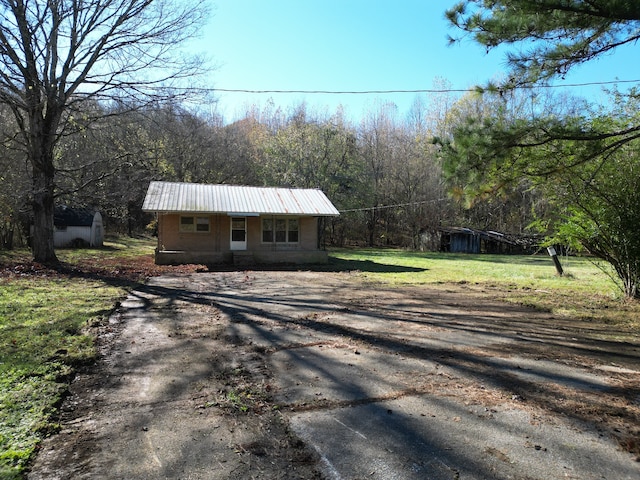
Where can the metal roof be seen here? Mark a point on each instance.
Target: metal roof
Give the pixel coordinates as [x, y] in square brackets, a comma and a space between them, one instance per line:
[174, 197]
[64, 216]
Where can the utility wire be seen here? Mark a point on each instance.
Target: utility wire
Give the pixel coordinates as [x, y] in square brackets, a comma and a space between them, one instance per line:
[420, 90]
[382, 207]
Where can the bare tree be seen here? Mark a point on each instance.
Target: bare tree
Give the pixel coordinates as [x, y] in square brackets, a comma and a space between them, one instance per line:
[55, 54]
[14, 178]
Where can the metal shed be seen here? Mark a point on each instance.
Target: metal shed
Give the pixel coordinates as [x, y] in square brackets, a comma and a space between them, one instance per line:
[469, 240]
[77, 227]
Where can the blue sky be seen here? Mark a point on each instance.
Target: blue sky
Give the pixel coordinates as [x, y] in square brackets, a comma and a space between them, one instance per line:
[357, 45]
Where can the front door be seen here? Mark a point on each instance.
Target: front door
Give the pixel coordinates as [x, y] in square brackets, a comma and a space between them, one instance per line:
[238, 233]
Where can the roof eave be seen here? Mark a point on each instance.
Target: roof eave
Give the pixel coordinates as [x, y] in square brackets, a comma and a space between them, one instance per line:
[243, 214]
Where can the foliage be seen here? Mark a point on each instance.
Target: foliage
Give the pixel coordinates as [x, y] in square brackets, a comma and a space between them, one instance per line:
[555, 35]
[604, 213]
[404, 192]
[592, 183]
[484, 169]
[584, 161]
[58, 55]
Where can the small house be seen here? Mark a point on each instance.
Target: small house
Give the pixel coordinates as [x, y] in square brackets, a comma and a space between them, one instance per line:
[209, 224]
[77, 227]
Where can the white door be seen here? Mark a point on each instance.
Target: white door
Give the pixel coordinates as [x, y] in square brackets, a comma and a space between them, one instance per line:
[238, 233]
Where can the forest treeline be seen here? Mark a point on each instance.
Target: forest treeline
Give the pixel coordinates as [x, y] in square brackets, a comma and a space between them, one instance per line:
[91, 122]
[384, 173]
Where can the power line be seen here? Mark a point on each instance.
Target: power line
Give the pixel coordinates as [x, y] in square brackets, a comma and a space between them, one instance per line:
[382, 207]
[419, 90]
[338, 92]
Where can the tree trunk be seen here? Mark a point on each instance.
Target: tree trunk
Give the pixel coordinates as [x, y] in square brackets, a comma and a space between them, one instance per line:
[631, 289]
[43, 205]
[371, 227]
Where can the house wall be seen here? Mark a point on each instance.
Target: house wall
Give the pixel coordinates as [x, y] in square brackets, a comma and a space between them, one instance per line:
[171, 238]
[175, 247]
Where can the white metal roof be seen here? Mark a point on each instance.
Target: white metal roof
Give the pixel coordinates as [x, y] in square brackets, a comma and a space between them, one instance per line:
[173, 197]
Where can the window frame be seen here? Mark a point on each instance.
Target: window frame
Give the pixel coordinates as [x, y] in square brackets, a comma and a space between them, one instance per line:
[234, 228]
[273, 231]
[270, 236]
[197, 221]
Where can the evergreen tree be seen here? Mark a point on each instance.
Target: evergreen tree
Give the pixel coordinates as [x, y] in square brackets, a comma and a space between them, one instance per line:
[585, 160]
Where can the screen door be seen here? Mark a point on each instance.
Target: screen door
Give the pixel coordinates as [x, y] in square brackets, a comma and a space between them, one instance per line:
[238, 233]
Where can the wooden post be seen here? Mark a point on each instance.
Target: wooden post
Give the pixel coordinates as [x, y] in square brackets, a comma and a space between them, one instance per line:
[556, 261]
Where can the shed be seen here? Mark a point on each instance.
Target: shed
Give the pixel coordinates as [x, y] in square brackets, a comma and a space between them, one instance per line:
[468, 240]
[213, 223]
[77, 227]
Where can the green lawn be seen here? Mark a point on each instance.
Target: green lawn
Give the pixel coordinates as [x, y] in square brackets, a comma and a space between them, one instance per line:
[42, 316]
[43, 313]
[518, 270]
[584, 291]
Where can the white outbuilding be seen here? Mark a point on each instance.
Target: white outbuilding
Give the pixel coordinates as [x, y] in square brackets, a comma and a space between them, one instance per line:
[77, 227]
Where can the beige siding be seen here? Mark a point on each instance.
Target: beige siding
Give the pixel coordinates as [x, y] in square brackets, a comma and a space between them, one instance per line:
[219, 235]
[171, 238]
[307, 231]
[254, 233]
[215, 244]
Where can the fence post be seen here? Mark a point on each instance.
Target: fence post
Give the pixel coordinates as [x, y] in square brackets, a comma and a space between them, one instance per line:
[556, 261]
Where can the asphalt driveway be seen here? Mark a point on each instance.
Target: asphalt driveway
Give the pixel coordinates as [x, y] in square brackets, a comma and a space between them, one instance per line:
[319, 375]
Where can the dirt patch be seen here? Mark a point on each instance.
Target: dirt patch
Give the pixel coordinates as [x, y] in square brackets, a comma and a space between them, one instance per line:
[195, 378]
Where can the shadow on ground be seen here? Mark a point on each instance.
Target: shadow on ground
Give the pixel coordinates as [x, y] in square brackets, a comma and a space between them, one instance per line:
[416, 380]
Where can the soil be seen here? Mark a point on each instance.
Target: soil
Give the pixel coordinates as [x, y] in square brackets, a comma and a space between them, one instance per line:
[215, 387]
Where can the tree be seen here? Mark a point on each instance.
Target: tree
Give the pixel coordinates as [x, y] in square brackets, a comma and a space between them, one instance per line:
[377, 141]
[55, 55]
[592, 183]
[578, 157]
[496, 184]
[555, 35]
[14, 179]
[603, 207]
[107, 163]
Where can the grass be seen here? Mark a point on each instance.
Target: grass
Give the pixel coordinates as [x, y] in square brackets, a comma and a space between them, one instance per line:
[41, 341]
[43, 317]
[584, 292]
[43, 314]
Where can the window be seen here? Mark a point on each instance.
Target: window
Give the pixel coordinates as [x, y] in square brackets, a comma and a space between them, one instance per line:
[238, 229]
[186, 224]
[267, 230]
[202, 224]
[194, 224]
[280, 230]
[293, 231]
